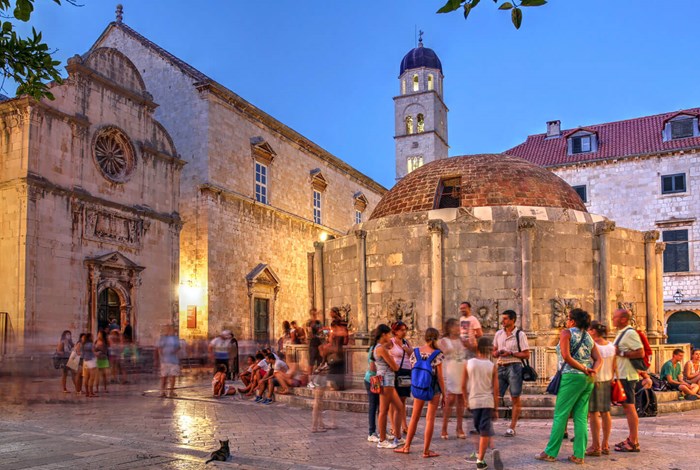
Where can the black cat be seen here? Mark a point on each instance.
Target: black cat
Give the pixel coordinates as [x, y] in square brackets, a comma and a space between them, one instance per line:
[222, 454]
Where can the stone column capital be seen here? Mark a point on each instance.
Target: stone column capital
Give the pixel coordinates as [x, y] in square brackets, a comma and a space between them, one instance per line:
[435, 226]
[651, 236]
[604, 227]
[318, 246]
[660, 247]
[361, 234]
[526, 223]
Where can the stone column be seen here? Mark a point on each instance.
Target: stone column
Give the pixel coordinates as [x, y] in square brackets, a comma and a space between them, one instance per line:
[319, 303]
[362, 321]
[650, 238]
[660, 309]
[310, 278]
[602, 230]
[435, 228]
[526, 227]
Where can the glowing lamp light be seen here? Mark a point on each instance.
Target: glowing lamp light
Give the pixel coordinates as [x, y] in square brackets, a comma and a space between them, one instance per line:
[190, 292]
[323, 237]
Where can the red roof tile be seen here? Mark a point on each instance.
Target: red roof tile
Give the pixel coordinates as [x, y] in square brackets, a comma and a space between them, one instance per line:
[640, 136]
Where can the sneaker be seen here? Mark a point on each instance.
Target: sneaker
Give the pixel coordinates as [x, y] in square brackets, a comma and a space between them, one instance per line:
[386, 445]
[390, 436]
[510, 432]
[399, 442]
[497, 462]
[373, 438]
[258, 399]
[266, 401]
[481, 465]
[472, 458]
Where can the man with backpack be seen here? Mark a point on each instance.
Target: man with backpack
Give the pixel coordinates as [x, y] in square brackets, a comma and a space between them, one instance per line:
[628, 346]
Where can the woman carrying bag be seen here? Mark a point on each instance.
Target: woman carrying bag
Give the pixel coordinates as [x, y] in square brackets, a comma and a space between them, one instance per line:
[601, 397]
[401, 353]
[581, 363]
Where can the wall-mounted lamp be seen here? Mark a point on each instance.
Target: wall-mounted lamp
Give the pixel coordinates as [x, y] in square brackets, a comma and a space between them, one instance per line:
[190, 292]
[678, 297]
[323, 237]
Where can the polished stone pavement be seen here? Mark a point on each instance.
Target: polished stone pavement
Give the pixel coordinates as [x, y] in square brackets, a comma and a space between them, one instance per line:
[131, 427]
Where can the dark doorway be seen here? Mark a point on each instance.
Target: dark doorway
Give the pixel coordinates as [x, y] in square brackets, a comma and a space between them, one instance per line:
[108, 307]
[261, 319]
[684, 327]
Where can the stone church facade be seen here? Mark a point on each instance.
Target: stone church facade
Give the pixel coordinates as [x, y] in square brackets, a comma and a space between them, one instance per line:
[644, 174]
[255, 197]
[89, 193]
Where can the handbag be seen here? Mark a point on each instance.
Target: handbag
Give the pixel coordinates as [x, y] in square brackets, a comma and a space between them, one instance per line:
[528, 373]
[375, 384]
[73, 361]
[553, 387]
[403, 376]
[617, 395]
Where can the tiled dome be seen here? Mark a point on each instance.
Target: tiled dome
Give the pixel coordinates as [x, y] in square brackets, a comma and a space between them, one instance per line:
[420, 57]
[486, 180]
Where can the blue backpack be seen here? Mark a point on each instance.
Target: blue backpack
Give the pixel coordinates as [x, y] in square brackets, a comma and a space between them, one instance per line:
[422, 377]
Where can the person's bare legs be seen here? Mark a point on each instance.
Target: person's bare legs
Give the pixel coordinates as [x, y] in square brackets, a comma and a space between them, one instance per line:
[517, 406]
[430, 423]
[607, 427]
[317, 412]
[483, 445]
[397, 418]
[632, 421]
[163, 385]
[459, 406]
[594, 420]
[172, 385]
[404, 424]
[446, 411]
[412, 426]
[64, 376]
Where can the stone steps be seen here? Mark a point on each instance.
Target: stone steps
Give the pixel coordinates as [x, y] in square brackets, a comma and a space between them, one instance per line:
[535, 406]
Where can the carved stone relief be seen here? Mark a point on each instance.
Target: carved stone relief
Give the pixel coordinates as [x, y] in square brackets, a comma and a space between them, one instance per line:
[345, 315]
[629, 306]
[111, 227]
[487, 312]
[402, 310]
[560, 310]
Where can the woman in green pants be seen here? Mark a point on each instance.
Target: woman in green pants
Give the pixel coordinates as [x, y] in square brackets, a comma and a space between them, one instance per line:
[578, 351]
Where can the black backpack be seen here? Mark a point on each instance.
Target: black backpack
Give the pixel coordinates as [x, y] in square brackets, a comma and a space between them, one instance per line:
[645, 402]
[657, 384]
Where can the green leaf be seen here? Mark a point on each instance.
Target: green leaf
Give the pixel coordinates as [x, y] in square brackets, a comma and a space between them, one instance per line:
[506, 6]
[6, 27]
[532, 3]
[467, 9]
[475, 3]
[517, 17]
[451, 5]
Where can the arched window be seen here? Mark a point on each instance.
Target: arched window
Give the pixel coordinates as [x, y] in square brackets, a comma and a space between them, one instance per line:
[421, 123]
[431, 86]
[403, 87]
[415, 82]
[409, 124]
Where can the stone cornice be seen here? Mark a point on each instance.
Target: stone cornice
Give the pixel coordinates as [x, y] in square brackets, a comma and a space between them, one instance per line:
[640, 156]
[418, 134]
[252, 112]
[38, 182]
[167, 158]
[227, 193]
[409, 95]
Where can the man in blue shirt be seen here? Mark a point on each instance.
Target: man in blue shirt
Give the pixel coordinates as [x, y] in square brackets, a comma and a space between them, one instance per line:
[168, 348]
[672, 373]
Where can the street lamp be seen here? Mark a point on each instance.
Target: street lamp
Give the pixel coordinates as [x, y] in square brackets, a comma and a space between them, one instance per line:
[678, 297]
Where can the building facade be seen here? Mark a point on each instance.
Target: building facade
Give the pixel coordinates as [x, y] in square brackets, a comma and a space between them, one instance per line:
[256, 195]
[644, 174]
[89, 223]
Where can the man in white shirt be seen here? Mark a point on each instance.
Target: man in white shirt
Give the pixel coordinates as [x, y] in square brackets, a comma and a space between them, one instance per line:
[628, 346]
[510, 365]
[275, 377]
[469, 328]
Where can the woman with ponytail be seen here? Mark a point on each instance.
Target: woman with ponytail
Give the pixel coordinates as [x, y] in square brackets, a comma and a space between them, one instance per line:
[386, 368]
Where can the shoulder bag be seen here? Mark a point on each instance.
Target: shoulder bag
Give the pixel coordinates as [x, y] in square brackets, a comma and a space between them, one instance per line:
[638, 363]
[528, 373]
[553, 387]
[403, 376]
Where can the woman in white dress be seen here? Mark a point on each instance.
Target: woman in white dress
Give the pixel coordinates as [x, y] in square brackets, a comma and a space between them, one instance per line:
[454, 368]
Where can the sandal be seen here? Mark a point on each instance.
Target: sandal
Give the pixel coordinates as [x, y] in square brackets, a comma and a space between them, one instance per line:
[461, 435]
[576, 460]
[444, 436]
[594, 452]
[403, 450]
[605, 451]
[545, 458]
[627, 446]
[430, 454]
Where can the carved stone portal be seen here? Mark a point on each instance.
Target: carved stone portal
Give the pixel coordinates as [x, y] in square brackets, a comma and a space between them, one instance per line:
[560, 310]
[402, 310]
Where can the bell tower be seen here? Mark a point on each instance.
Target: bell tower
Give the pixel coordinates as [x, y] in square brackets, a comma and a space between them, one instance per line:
[419, 111]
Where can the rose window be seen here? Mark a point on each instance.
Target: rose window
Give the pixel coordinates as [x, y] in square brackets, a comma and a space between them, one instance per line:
[114, 154]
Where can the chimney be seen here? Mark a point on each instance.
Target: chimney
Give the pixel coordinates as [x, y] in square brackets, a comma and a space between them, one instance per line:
[553, 129]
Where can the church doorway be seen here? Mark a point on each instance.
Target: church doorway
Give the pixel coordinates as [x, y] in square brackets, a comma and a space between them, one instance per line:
[108, 308]
[684, 327]
[263, 286]
[261, 321]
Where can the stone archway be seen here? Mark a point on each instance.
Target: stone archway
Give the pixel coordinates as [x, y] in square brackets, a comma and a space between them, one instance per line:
[684, 327]
[116, 272]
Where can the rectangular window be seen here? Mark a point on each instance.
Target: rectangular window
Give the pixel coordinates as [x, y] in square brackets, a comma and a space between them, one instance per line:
[681, 128]
[676, 257]
[317, 207]
[358, 217]
[673, 183]
[260, 183]
[581, 144]
[449, 193]
[581, 191]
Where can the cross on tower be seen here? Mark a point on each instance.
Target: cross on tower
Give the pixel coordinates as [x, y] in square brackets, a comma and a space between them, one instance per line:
[420, 36]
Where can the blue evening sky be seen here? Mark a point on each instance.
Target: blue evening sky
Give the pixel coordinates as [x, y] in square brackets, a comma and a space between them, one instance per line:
[328, 69]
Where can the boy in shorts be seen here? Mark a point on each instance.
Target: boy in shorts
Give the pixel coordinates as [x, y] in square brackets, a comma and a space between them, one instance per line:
[480, 384]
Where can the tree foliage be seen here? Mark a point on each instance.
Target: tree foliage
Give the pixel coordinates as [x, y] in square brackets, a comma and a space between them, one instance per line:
[26, 60]
[516, 14]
